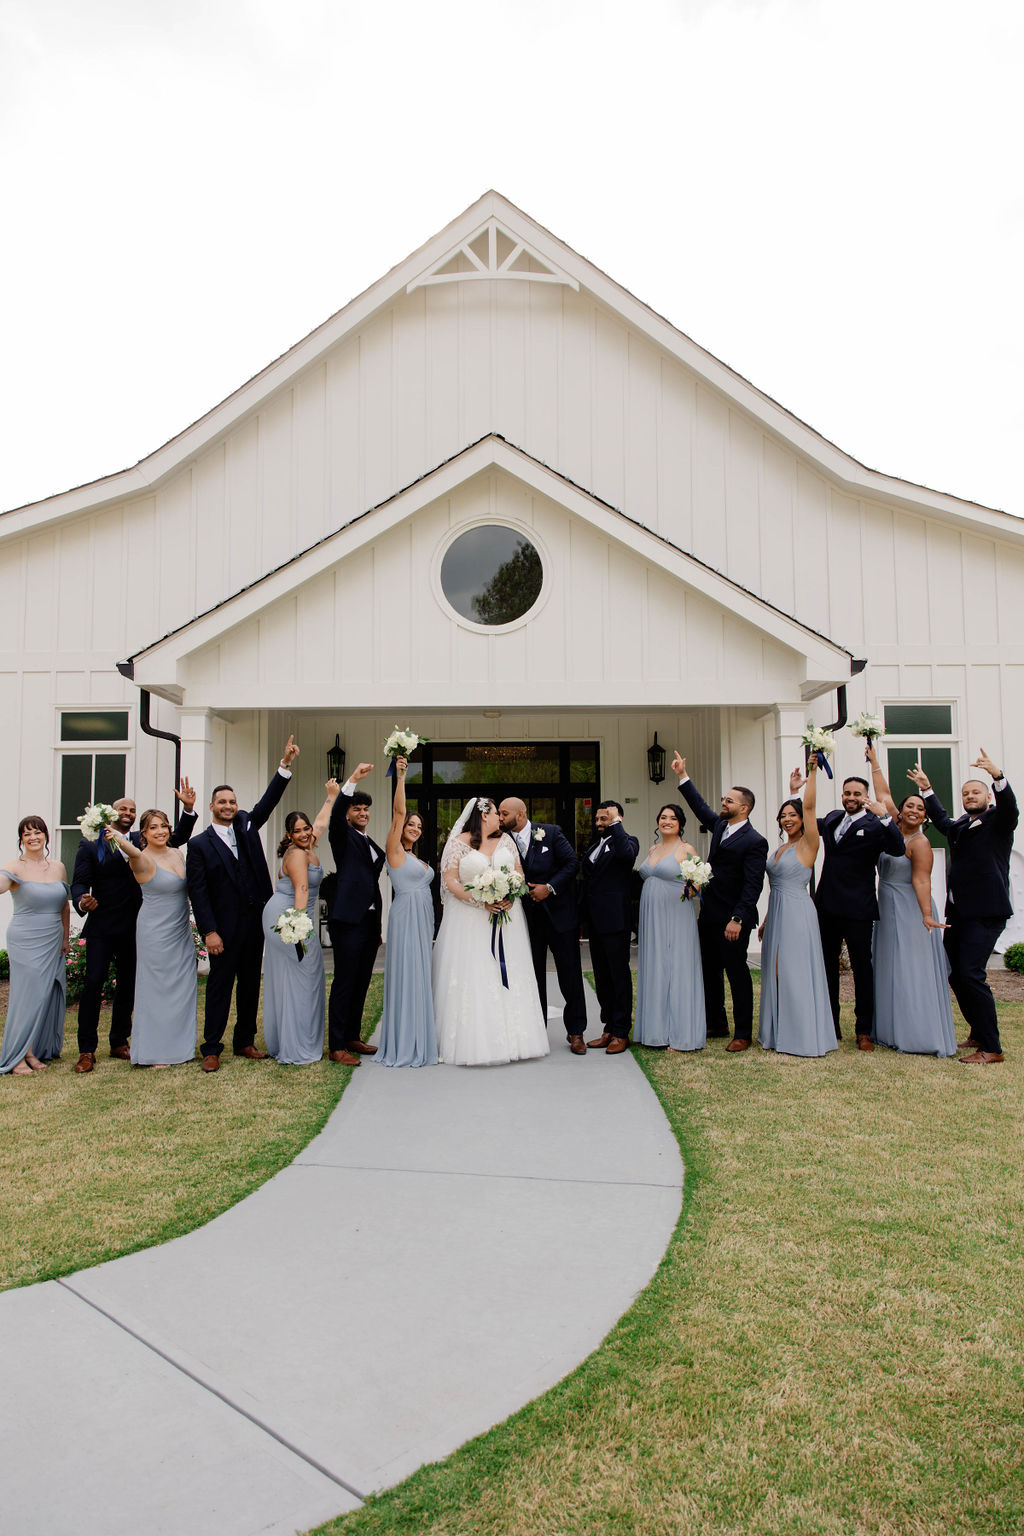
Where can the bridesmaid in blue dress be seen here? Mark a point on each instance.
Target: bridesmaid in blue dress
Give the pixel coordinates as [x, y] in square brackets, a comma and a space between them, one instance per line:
[796, 1016]
[669, 983]
[913, 1011]
[294, 988]
[166, 985]
[37, 944]
[408, 1037]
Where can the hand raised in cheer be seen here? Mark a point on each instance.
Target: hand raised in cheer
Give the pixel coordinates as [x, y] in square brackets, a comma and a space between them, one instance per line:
[984, 761]
[678, 764]
[290, 753]
[917, 776]
[332, 789]
[797, 780]
[186, 794]
[360, 772]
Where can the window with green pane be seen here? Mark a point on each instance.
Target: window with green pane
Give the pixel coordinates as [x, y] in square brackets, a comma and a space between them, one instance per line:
[937, 763]
[86, 777]
[919, 719]
[94, 725]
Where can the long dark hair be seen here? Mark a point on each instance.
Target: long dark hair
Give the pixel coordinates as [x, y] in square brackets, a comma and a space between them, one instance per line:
[475, 821]
[916, 795]
[291, 821]
[797, 806]
[676, 812]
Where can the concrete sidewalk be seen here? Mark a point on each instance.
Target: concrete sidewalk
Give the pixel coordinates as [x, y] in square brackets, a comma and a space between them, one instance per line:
[452, 1244]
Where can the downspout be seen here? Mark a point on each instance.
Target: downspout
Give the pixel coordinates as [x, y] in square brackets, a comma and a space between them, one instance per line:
[127, 669]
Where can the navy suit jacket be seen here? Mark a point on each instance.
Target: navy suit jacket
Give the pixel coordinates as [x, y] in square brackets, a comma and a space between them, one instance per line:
[212, 870]
[978, 878]
[847, 886]
[550, 860]
[111, 881]
[359, 861]
[737, 862]
[607, 904]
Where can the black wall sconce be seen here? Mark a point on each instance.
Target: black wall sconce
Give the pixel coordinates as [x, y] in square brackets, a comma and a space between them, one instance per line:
[655, 761]
[336, 760]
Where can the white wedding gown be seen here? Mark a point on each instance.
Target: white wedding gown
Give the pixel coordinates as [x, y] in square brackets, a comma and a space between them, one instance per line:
[480, 1022]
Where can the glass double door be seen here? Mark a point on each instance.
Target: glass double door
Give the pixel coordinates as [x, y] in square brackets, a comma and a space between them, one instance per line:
[558, 782]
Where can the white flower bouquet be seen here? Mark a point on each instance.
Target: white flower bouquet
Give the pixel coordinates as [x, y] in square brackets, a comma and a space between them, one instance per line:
[695, 874]
[499, 883]
[294, 927]
[821, 742]
[95, 819]
[401, 744]
[867, 725]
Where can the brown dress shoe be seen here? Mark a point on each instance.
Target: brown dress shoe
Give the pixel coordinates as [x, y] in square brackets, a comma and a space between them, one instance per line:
[616, 1045]
[121, 1052]
[600, 1041]
[982, 1058]
[970, 1044]
[577, 1045]
[865, 1043]
[360, 1048]
[738, 1044]
[346, 1058]
[251, 1053]
[210, 1064]
[85, 1062]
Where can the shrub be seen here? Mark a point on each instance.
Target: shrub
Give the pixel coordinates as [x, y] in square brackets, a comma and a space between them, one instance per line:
[76, 973]
[5, 965]
[1013, 958]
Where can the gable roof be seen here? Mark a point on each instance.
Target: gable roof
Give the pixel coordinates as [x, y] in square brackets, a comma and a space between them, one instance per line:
[824, 662]
[475, 236]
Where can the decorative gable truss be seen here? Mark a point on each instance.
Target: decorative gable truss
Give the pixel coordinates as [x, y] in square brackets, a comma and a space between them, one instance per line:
[494, 254]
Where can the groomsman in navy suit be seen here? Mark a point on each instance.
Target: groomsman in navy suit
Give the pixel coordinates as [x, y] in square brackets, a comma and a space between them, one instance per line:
[550, 867]
[852, 841]
[977, 896]
[728, 906]
[608, 912]
[354, 921]
[229, 884]
[105, 892]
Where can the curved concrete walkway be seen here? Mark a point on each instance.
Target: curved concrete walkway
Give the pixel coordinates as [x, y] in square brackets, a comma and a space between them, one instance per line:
[451, 1245]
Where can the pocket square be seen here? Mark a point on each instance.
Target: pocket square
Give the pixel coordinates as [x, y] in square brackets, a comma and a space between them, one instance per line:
[860, 831]
[973, 826]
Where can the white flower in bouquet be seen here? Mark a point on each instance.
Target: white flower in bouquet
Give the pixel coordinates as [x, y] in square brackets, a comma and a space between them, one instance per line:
[403, 743]
[868, 725]
[294, 927]
[95, 818]
[817, 739]
[695, 874]
[498, 883]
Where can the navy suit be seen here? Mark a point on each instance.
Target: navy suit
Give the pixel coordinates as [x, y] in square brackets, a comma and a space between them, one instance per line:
[228, 895]
[738, 864]
[353, 923]
[608, 912]
[109, 931]
[977, 903]
[847, 903]
[554, 923]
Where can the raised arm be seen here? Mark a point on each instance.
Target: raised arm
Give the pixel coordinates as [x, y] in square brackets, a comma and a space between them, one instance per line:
[688, 789]
[393, 846]
[1006, 800]
[879, 781]
[186, 822]
[323, 815]
[264, 807]
[937, 813]
[140, 861]
[809, 843]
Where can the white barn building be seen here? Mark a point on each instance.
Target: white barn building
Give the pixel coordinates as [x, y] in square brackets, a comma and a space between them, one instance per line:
[498, 499]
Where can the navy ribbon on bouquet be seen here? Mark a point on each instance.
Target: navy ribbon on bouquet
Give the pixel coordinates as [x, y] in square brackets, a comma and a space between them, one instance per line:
[823, 763]
[391, 770]
[300, 950]
[496, 926]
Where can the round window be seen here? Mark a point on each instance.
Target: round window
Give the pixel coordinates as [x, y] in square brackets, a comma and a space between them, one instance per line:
[491, 575]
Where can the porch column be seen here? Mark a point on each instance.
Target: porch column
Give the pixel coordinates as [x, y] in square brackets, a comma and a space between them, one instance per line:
[790, 722]
[195, 727]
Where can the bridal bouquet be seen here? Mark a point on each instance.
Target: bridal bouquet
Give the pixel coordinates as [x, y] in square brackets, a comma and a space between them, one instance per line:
[95, 819]
[695, 874]
[401, 744]
[869, 726]
[821, 742]
[499, 883]
[294, 927]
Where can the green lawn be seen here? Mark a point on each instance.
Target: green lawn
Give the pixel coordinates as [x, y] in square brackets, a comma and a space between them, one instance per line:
[833, 1343]
[96, 1166]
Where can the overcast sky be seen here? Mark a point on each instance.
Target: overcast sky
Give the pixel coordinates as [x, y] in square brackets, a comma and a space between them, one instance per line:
[826, 196]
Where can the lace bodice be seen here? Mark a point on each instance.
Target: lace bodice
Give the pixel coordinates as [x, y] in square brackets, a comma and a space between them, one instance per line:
[462, 863]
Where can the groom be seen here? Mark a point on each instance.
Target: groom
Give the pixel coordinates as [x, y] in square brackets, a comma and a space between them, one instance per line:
[550, 865]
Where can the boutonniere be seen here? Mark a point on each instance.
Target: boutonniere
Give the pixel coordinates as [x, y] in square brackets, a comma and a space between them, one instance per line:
[538, 835]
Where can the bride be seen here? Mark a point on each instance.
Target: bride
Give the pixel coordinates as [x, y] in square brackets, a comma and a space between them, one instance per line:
[480, 1021]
